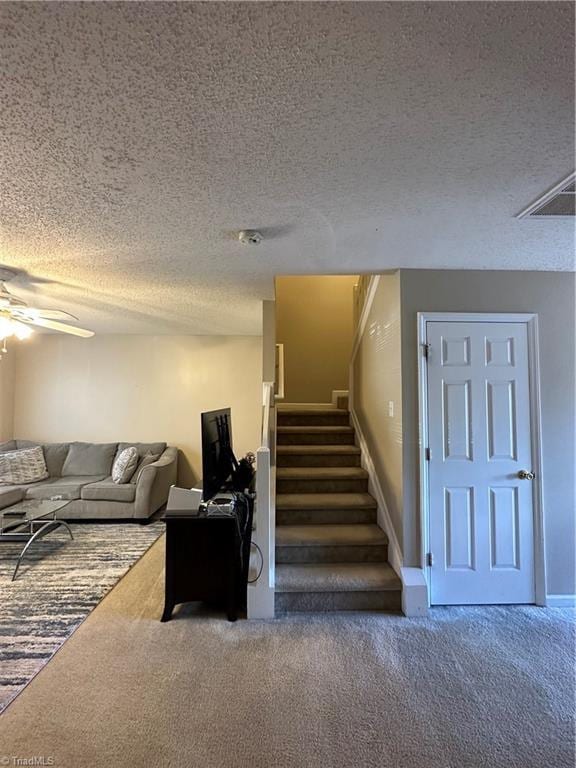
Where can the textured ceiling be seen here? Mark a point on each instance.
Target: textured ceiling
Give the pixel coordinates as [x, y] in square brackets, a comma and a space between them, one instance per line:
[135, 138]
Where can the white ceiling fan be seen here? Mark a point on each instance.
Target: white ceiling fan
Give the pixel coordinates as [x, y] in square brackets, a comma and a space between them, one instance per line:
[16, 317]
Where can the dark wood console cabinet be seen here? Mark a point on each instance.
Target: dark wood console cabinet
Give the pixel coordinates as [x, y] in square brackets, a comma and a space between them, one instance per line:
[207, 558]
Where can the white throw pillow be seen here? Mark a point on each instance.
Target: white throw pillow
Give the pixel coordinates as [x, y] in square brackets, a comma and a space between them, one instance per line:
[124, 465]
[24, 466]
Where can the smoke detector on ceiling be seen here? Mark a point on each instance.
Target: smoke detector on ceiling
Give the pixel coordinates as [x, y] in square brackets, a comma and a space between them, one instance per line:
[557, 203]
[250, 237]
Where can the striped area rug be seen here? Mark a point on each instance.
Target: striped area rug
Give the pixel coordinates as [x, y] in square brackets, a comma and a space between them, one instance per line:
[59, 582]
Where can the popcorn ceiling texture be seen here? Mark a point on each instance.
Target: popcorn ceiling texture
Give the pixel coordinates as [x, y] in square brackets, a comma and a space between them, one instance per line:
[136, 138]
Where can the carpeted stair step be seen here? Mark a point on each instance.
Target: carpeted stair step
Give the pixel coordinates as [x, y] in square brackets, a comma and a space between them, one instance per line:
[303, 435]
[331, 544]
[321, 480]
[337, 587]
[318, 456]
[321, 417]
[325, 508]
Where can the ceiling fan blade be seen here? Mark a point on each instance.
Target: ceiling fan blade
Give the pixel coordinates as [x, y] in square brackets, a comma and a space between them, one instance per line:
[48, 314]
[8, 300]
[61, 327]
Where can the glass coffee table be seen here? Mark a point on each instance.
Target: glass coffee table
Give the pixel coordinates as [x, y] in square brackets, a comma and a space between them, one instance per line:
[29, 521]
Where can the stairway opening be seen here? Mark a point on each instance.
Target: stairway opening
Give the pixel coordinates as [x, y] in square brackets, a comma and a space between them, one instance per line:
[331, 554]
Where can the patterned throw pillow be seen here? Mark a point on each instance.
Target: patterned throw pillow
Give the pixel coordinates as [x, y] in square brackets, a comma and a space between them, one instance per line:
[124, 465]
[149, 458]
[24, 466]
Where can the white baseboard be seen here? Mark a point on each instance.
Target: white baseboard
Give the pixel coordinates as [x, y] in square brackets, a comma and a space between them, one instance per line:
[414, 592]
[384, 521]
[560, 601]
[336, 393]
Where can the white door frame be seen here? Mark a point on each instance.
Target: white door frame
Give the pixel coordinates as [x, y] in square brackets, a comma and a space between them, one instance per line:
[531, 322]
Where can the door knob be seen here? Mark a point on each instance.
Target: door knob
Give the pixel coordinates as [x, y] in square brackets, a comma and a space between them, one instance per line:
[524, 474]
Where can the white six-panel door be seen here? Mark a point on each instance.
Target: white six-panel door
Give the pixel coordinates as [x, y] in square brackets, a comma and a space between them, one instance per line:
[481, 515]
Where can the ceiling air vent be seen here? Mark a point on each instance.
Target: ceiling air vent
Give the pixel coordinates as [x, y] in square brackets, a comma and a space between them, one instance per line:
[558, 203]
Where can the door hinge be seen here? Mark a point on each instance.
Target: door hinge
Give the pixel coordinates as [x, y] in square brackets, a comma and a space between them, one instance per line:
[426, 350]
[428, 454]
[430, 559]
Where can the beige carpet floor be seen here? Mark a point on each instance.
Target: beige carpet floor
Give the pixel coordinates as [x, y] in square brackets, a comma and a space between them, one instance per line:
[490, 687]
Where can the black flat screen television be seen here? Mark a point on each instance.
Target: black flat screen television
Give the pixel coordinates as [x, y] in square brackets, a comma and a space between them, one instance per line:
[218, 460]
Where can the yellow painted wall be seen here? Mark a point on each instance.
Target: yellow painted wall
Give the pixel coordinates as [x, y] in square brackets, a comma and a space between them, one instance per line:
[140, 388]
[314, 321]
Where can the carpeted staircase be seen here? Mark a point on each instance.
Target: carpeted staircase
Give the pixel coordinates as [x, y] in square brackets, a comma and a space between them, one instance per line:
[330, 553]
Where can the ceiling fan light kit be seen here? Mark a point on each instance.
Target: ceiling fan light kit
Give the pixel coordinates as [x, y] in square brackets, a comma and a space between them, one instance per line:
[16, 317]
[10, 327]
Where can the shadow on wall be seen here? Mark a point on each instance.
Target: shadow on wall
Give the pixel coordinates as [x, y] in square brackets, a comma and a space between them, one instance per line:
[187, 477]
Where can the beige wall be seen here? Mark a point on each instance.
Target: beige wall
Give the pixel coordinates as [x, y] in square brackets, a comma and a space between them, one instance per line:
[7, 376]
[314, 320]
[141, 388]
[552, 296]
[377, 382]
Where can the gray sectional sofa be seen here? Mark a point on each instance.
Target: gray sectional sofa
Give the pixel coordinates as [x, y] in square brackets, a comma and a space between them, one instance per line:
[82, 472]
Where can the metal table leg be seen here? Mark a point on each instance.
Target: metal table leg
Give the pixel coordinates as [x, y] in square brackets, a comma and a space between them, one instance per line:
[45, 528]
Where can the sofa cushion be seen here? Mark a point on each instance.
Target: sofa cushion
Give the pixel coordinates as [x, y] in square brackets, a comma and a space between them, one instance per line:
[9, 496]
[108, 490]
[69, 487]
[26, 443]
[109, 511]
[54, 455]
[144, 448]
[9, 445]
[22, 466]
[89, 459]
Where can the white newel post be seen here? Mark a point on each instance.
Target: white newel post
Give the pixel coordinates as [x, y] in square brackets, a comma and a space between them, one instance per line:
[261, 593]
